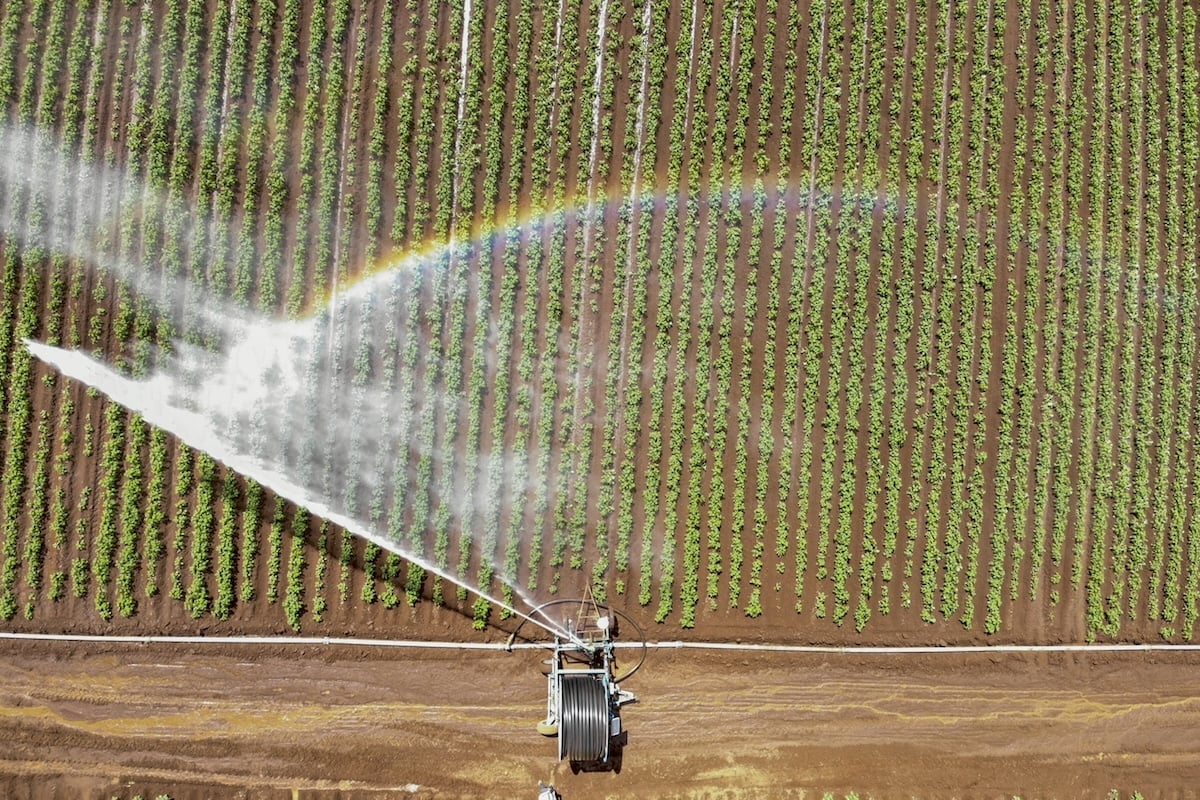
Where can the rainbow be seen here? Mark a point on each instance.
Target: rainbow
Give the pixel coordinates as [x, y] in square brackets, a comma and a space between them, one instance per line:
[627, 204]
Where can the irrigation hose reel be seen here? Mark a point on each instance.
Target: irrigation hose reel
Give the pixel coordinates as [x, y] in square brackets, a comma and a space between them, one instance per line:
[583, 693]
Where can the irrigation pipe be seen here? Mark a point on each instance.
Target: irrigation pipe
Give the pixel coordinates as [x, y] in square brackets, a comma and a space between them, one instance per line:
[668, 645]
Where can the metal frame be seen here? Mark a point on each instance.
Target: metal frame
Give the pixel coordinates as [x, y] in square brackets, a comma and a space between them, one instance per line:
[583, 699]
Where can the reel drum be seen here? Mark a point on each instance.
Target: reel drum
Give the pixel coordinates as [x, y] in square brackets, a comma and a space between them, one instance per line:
[583, 719]
[583, 696]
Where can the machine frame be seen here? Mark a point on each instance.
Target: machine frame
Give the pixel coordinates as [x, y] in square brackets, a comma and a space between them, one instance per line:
[583, 693]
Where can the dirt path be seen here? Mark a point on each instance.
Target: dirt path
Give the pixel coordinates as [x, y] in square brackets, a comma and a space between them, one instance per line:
[96, 722]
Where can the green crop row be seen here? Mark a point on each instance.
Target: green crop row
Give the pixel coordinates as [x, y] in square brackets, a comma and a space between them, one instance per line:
[198, 599]
[129, 555]
[962, 349]
[293, 602]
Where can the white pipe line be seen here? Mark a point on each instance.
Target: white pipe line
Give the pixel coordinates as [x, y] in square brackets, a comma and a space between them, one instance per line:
[667, 645]
[268, 640]
[918, 649]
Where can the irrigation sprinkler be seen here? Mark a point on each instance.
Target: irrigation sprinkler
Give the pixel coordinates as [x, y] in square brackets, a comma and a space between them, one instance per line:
[583, 693]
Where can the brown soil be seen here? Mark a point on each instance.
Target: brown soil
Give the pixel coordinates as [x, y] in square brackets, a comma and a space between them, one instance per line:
[333, 722]
[1036, 620]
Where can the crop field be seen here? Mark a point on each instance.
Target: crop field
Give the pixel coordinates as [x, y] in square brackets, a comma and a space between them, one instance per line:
[836, 321]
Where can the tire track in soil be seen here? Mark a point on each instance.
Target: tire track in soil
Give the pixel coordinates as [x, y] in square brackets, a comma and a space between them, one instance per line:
[721, 724]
